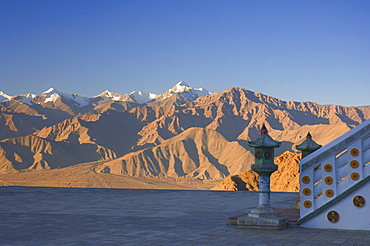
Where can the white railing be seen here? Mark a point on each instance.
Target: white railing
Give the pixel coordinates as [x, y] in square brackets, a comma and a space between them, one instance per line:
[333, 169]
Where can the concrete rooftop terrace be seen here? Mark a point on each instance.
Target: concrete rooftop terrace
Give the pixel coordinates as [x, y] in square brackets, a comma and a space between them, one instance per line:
[61, 216]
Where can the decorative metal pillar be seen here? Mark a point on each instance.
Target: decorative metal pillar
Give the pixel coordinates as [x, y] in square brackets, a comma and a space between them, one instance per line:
[264, 216]
[264, 165]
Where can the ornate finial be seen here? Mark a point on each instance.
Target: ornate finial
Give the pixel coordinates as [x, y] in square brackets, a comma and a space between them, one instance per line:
[264, 140]
[264, 130]
[308, 146]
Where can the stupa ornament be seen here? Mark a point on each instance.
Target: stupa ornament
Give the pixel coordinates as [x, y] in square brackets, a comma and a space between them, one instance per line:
[308, 146]
[264, 216]
[264, 153]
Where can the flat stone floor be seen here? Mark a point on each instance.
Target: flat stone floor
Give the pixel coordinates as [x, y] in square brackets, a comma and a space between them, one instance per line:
[58, 216]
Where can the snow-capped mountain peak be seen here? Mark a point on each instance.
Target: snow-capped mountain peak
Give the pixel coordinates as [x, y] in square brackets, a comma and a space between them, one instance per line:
[188, 92]
[108, 93]
[50, 90]
[142, 97]
[51, 95]
[180, 87]
[4, 97]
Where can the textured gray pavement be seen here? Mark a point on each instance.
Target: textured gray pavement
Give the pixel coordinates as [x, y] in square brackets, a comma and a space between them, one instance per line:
[55, 216]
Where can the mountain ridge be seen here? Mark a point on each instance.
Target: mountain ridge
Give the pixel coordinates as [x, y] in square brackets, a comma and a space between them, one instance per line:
[52, 94]
[147, 140]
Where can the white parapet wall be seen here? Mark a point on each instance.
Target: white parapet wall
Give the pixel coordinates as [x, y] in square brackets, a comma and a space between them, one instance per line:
[352, 212]
[335, 183]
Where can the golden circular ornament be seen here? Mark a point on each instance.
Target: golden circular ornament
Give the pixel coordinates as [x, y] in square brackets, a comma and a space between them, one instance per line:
[306, 180]
[333, 216]
[328, 180]
[306, 191]
[328, 168]
[307, 204]
[354, 164]
[354, 152]
[355, 176]
[329, 193]
[358, 201]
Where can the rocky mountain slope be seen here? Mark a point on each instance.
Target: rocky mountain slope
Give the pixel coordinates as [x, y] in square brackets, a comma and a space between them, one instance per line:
[178, 135]
[196, 153]
[285, 179]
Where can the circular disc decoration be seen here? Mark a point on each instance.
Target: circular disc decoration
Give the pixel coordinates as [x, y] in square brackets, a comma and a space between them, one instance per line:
[329, 193]
[328, 168]
[306, 191]
[354, 152]
[267, 155]
[306, 180]
[333, 216]
[354, 164]
[307, 204]
[257, 155]
[328, 180]
[358, 201]
[355, 176]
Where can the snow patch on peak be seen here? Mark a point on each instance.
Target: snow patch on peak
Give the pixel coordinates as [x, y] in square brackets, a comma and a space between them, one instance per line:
[182, 83]
[24, 98]
[142, 97]
[189, 92]
[180, 87]
[4, 97]
[52, 95]
[3, 94]
[50, 90]
[29, 95]
[202, 92]
[52, 98]
[81, 100]
[108, 93]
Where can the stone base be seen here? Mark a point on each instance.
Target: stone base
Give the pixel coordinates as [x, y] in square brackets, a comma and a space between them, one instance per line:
[291, 213]
[262, 223]
[263, 217]
[264, 211]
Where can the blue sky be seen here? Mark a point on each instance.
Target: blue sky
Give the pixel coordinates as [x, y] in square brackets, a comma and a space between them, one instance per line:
[293, 50]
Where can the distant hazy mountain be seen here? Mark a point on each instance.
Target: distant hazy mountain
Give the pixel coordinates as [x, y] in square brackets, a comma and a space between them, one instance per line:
[51, 97]
[182, 134]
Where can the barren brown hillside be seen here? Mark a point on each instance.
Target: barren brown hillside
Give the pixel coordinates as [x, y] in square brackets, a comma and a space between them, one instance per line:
[197, 153]
[285, 179]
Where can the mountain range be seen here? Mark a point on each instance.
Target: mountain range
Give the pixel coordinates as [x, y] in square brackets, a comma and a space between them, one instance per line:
[184, 137]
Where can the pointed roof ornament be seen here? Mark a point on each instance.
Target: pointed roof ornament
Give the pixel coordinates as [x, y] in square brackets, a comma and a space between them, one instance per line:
[308, 146]
[263, 130]
[264, 140]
